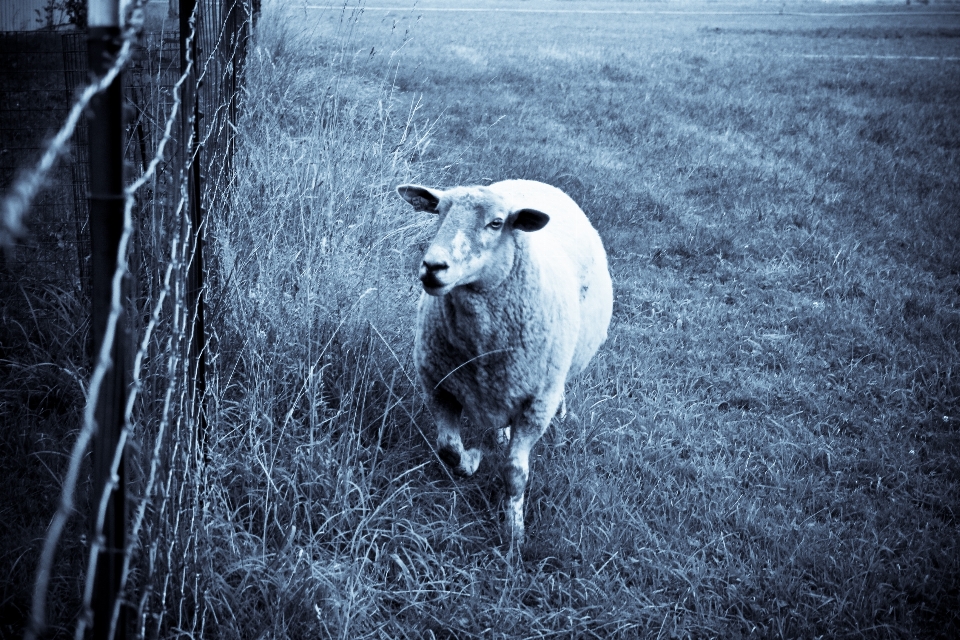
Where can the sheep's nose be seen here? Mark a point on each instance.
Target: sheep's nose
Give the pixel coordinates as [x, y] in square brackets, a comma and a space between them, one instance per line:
[430, 270]
[433, 266]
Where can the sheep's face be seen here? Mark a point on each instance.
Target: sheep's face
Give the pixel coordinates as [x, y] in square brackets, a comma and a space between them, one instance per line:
[476, 242]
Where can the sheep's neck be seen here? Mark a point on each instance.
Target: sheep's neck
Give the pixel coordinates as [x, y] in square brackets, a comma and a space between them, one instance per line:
[486, 318]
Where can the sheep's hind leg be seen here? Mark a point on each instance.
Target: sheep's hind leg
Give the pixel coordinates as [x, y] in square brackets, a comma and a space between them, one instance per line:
[446, 409]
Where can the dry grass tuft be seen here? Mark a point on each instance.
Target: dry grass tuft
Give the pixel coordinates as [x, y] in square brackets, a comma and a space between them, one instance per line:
[766, 445]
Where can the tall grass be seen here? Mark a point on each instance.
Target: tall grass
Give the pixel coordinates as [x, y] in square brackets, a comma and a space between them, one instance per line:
[320, 489]
[42, 358]
[766, 446]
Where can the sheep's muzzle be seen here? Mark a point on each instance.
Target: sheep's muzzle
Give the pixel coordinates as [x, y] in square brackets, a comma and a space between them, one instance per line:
[430, 273]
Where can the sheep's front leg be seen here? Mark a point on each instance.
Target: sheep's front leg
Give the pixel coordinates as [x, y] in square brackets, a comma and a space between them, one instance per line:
[446, 409]
[527, 429]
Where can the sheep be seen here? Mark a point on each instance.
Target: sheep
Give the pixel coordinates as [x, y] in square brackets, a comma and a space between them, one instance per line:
[516, 300]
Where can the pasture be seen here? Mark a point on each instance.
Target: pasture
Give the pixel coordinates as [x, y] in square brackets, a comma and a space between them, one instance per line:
[768, 445]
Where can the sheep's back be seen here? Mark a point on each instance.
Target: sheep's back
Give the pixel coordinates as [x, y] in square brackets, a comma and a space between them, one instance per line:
[571, 238]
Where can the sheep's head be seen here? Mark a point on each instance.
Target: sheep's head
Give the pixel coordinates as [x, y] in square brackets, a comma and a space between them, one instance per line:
[476, 242]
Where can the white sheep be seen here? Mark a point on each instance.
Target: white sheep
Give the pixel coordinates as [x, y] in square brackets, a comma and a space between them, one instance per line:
[517, 299]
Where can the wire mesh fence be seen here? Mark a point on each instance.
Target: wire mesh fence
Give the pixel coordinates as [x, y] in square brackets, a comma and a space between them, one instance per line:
[180, 95]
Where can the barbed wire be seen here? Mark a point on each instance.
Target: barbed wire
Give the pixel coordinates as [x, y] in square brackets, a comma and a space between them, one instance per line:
[103, 361]
[181, 251]
[15, 206]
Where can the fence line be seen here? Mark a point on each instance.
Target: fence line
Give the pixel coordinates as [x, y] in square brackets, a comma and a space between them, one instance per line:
[184, 164]
[16, 206]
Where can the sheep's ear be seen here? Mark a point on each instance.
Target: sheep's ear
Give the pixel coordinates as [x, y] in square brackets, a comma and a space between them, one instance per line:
[530, 220]
[422, 198]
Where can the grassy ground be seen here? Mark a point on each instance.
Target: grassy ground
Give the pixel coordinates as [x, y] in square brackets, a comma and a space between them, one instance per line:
[767, 445]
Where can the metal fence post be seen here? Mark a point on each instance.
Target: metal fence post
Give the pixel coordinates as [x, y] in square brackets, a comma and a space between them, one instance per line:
[106, 228]
[190, 31]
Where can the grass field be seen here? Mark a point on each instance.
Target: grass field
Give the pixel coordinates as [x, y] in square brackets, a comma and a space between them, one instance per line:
[768, 445]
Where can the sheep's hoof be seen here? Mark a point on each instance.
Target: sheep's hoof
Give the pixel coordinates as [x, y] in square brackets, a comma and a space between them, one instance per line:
[462, 465]
[449, 456]
[513, 533]
[469, 462]
[503, 436]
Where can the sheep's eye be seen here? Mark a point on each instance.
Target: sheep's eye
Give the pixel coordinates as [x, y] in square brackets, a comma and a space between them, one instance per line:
[495, 223]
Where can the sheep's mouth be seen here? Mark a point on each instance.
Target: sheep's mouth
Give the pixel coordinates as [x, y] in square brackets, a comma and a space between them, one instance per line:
[434, 285]
[436, 288]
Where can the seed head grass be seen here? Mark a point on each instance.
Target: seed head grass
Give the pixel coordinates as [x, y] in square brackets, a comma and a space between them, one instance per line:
[767, 444]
